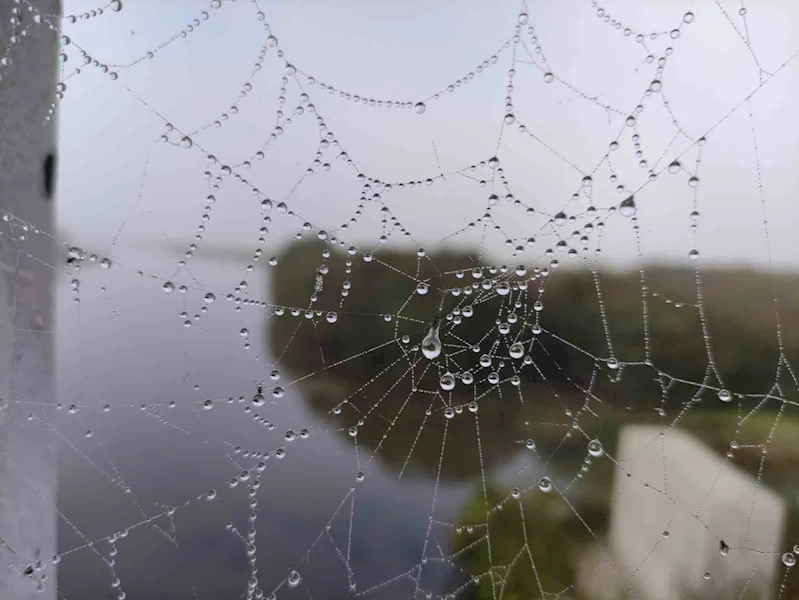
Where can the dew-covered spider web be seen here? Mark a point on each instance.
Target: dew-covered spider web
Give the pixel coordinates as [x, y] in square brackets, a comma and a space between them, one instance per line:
[413, 300]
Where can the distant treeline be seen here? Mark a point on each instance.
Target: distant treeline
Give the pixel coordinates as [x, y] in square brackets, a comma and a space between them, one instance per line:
[583, 316]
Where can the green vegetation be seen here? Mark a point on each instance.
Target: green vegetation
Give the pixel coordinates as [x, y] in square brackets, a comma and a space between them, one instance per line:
[359, 358]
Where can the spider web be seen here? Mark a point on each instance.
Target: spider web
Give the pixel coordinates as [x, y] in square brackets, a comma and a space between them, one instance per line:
[531, 334]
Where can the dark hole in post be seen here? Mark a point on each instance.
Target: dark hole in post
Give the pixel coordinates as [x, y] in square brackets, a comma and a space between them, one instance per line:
[49, 175]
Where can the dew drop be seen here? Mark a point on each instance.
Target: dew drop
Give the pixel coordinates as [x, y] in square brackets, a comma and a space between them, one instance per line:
[724, 395]
[545, 485]
[447, 381]
[420, 107]
[516, 493]
[724, 549]
[467, 378]
[116, 5]
[516, 350]
[595, 448]
[332, 317]
[294, 579]
[688, 17]
[422, 288]
[587, 181]
[693, 254]
[674, 167]
[449, 412]
[530, 444]
[168, 287]
[789, 559]
[627, 207]
[209, 298]
[548, 77]
[186, 142]
[693, 182]
[431, 344]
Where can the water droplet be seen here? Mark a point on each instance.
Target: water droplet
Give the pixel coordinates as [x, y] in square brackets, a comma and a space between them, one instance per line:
[467, 378]
[674, 167]
[688, 17]
[548, 77]
[422, 288]
[516, 350]
[168, 287]
[332, 317]
[545, 485]
[420, 107]
[693, 254]
[209, 298]
[509, 119]
[493, 162]
[516, 493]
[244, 332]
[447, 381]
[294, 579]
[208, 404]
[613, 363]
[503, 288]
[353, 431]
[278, 392]
[693, 182]
[587, 181]
[630, 121]
[485, 360]
[789, 559]
[656, 85]
[523, 18]
[627, 208]
[724, 395]
[449, 412]
[186, 142]
[116, 5]
[210, 495]
[595, 448]
[530, 444]
[724, 549]
[431, 344]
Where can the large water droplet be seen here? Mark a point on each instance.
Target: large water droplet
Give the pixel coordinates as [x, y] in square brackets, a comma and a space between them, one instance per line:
[420, 107]
[431, 344]
[789, 559]
[724, 395]
[545, 485]
[627, 208]
[168, 287]
[516, 350]
[724, 549]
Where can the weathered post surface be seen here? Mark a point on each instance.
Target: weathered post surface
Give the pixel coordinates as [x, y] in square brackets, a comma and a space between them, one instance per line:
[27, 260]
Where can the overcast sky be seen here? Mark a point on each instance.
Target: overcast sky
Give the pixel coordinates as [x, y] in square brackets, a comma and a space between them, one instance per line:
[408, 51]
